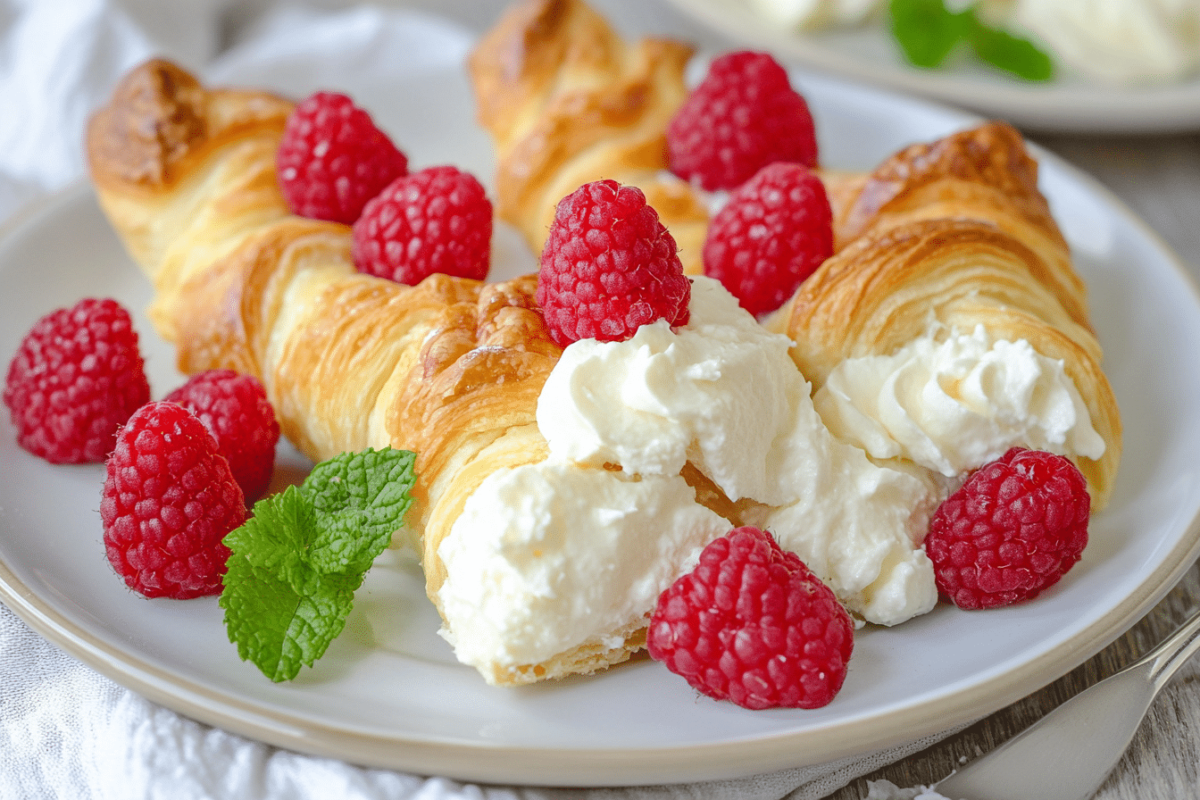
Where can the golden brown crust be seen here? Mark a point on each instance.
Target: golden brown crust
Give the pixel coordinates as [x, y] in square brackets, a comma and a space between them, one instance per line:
[568, 101]
[992, 154]
[983, 173]
[159, 117]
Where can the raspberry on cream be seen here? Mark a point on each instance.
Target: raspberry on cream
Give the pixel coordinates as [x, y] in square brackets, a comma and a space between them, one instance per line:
[608, 266]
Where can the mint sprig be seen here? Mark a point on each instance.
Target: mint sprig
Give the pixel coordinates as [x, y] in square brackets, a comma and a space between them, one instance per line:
[296, 563]
[928, 32]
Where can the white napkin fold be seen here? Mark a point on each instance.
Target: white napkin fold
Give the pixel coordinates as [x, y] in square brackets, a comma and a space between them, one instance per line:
[65, 730]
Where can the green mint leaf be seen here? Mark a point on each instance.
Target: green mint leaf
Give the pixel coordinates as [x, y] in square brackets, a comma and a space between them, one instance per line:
[1010, 53]
[296, 563]
[278, 534]
[278, 628]
[361, 499]
[926, 30]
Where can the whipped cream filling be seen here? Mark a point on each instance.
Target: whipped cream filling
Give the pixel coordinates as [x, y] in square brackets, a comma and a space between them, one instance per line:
[951, 401]
[720, 391]
[549, 556]
[574, 550]
[857, 524]
[723, 393]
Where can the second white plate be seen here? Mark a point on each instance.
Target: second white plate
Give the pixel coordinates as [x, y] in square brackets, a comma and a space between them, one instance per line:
[1068, 104]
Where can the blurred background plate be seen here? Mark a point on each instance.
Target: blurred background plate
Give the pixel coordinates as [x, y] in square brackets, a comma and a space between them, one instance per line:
[1069, 104]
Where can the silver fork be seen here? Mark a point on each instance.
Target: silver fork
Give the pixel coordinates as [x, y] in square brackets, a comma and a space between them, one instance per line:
[1068, 753]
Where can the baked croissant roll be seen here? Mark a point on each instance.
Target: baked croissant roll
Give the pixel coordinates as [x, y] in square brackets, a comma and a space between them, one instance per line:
[954, 239]
[568, 101]
[450, 369]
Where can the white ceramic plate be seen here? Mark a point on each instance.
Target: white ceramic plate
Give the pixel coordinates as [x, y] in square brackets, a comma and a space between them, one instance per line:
[389, 693]
[1070, 103]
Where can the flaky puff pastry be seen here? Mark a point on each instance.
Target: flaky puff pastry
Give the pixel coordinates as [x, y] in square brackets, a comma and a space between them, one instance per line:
[982, 173]
[568, 101]
[450, 369]
[889, 287]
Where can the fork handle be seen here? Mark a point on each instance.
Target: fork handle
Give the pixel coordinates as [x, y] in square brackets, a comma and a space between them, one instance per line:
[1172, 653]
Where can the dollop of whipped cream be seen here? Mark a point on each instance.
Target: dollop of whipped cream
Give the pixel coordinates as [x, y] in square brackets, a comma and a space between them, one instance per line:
[1118, 41]
[720, 391]
[723, 393]
[951, 401]
[549, 556]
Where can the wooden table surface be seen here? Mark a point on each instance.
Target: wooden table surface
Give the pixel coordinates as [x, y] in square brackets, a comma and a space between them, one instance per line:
[1159, 177]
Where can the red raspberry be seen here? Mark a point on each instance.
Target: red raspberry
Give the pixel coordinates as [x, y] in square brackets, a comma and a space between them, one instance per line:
[609, 266]
[743, 116]
[333, 159]
[436, 220]
[75, 379]
[235, 409]
[776, 229]
[1014, 528]
[169, 499]
[753, 625]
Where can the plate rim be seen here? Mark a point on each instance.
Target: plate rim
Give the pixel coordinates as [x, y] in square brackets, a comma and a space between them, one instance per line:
[592, 767]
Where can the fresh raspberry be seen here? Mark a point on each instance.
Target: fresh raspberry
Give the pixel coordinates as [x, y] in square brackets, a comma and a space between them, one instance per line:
[169, 499]
[76, 378]
[774, 231]
[1014, 528]
[743, 116]
[435, 220]
[333, 159]
[753, 625]
[609, 266]
[235, 409]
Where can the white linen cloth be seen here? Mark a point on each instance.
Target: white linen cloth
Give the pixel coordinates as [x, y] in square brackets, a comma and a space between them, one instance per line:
[65, 730]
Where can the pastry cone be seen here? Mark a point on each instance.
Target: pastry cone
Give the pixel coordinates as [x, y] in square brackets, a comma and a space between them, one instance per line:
[568, 101]
[450, 369]
[887, 287]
